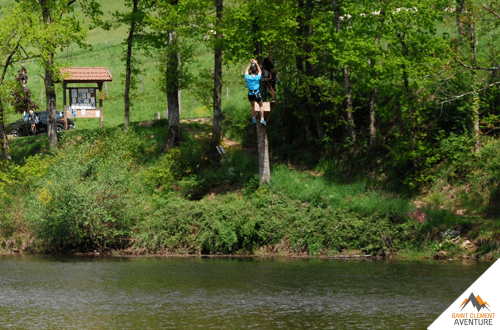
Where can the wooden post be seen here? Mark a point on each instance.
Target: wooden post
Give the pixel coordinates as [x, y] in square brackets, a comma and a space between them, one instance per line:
[64, 108]
[101, 117]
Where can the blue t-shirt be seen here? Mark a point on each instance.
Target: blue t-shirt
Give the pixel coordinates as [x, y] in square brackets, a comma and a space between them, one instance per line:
[252, 82]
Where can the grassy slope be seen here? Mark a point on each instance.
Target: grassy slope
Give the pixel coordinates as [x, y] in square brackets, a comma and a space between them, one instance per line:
[145, 104]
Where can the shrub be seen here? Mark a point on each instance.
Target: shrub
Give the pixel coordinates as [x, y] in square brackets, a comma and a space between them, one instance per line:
[83, 201]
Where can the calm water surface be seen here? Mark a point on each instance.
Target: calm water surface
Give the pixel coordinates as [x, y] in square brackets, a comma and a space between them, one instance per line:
[38, 292]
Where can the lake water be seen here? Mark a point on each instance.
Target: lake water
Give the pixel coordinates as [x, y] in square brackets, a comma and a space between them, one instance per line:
[41, 292]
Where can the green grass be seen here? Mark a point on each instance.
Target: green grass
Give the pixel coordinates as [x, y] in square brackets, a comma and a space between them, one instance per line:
[145, 104]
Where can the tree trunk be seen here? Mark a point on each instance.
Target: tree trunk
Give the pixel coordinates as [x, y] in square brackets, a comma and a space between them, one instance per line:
[50, 94]
[373, 130]
[217, 121]
[336, 11]
[128, 69]
[3, 135]
[412, 115]
[459, 9]
[263, 148]
[302, 68]
[179, 96]
[172, 78]
[257, 51]
[308, 31]
[349, 109]
[320, 127]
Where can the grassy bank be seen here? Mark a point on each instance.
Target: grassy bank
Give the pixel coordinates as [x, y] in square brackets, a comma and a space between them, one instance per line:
[103, 190]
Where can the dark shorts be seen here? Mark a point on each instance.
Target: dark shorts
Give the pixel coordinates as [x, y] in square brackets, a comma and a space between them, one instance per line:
[255, 97]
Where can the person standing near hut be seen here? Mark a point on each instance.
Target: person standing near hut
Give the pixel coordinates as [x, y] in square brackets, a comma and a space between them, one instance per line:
[33, 120]
[253, 74]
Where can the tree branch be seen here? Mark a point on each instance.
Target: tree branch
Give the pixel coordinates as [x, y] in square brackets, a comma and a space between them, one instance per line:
[490, 10]
[67, 6]
[456, 97]
[493, 69]
[8, 61]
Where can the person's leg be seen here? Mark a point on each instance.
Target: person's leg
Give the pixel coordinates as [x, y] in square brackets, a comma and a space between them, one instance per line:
[262, 121]
[272, 86]
[251, 98]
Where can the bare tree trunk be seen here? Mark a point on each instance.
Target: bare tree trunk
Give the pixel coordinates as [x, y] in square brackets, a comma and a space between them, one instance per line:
[476, 101]
[347, 80]
[349, 108]
[179, 96]
[373, 130]
[128, 68]
[50, 94]
[217, 121]
[263, 148]
[172, 78]
[336, 11]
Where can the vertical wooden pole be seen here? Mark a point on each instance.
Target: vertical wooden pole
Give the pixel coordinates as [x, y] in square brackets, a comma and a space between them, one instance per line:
[64, 107]
[100, 105]
[263, 147]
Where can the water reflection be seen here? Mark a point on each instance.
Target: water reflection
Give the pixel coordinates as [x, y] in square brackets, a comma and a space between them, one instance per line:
[186, 293]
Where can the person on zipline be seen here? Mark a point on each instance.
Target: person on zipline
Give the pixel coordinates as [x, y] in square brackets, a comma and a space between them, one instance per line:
[253, 73]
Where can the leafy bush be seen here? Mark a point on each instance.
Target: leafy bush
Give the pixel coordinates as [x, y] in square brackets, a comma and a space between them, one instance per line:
[457, 150]
[83, 201]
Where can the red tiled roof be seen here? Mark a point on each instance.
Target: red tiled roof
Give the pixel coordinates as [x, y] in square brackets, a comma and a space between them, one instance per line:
[93, 74]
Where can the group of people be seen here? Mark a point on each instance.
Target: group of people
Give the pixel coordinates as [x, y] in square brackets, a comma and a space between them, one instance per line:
[260, 82]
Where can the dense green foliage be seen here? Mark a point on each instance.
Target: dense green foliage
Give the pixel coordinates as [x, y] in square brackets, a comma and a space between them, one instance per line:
[104, 190]
[383, 99]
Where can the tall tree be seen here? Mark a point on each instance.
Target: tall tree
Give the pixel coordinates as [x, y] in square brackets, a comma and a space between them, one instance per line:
[217, 122]
[173, 20]
[16, 30]
[136, 21]
[57, 29]
[128, 70]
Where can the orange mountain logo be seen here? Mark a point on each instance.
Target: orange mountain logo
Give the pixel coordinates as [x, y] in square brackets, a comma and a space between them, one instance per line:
[476, 302]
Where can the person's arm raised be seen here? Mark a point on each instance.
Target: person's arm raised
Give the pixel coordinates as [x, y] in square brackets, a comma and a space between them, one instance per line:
[248, 68]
